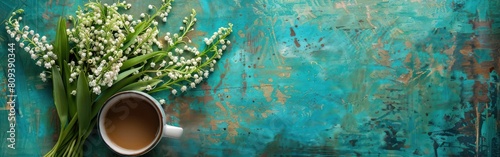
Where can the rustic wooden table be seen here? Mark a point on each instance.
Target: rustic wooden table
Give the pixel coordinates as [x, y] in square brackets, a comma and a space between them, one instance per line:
[315, 77]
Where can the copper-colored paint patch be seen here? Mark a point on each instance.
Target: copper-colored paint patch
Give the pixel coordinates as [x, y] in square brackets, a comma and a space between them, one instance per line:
[221, 107]
[281, 97]
[385, 58]
[268, 90]
[292, 32]
[408, 58]
[296, 42]
[405, 78]
[408, 44]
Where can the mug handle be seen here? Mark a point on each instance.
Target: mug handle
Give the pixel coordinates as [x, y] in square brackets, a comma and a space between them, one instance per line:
[172, 131]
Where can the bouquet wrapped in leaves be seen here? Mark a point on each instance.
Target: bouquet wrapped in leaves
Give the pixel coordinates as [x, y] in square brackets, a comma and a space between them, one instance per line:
[103, 52]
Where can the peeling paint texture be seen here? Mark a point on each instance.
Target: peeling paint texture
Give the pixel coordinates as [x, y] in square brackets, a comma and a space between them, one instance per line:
[307, 78]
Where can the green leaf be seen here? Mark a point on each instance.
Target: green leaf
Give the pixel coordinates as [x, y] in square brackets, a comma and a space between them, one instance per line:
[158, 89]
[59, 94]
[139, 28]
[164, 86]
[141, 86]
[61, 47]
[130, 39]
[105, 95]
[139, 59]
[69, 87]
[83, 103]
[60, 82]
[104, 11]
[124, 74]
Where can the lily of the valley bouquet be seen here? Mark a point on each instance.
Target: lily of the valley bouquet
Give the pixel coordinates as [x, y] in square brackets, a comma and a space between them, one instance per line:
[103, 52]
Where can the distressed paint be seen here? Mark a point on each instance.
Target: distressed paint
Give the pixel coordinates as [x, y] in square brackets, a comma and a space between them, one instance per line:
[315, 77]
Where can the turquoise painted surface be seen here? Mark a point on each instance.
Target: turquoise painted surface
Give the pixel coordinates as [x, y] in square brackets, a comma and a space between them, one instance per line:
[315, 77]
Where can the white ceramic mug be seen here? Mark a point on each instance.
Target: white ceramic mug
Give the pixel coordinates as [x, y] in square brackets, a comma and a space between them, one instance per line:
[163, 130]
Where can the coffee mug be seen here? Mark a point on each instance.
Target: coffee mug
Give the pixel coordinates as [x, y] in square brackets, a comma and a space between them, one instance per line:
[133, 122]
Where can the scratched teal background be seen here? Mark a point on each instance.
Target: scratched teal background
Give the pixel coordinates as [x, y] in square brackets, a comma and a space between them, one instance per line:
[307, 78]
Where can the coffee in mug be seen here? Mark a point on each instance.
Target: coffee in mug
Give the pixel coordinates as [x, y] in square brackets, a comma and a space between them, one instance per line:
[132, 123]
